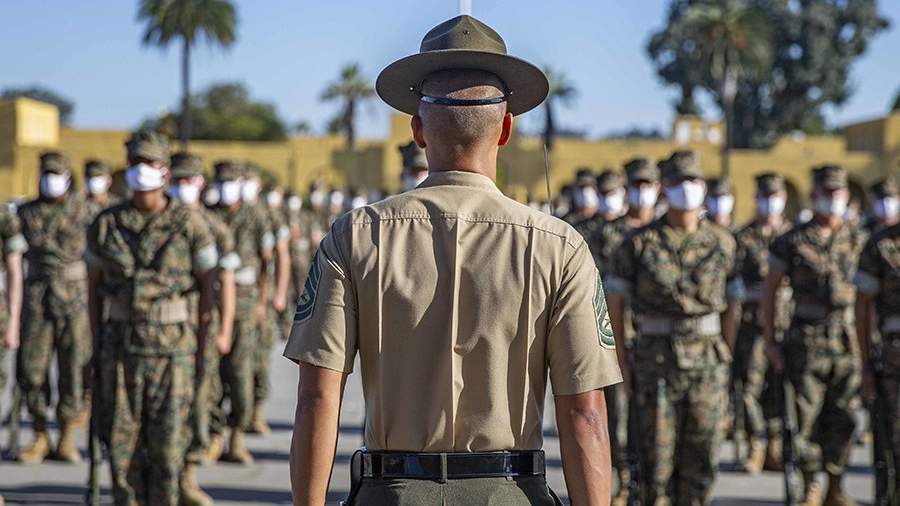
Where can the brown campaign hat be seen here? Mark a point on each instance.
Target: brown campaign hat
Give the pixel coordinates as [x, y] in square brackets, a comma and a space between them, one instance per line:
[462, 43]
[413, 156]
[610, 180]
[148, 144]
[718, 187]
[641, 170]
[94, 168]
[681, 164]
[769, 183]
[830, 177]
[186, 165]
[886, 187]
[228, 170]
[55, 162]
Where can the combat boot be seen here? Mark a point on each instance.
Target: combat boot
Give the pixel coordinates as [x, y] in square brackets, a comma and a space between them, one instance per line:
[756, 457]
[237, 451]
[774, 459]
[259, 425]
[812, 491]
[835, 495]
[189, 492]
[66, 450]
[215, 449]
[39, 449]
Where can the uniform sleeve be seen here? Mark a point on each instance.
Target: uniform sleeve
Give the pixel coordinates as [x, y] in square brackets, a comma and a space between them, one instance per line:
[229, 260]
[96, 235]
[623, 271]
[11, 234]
[581, 349]
[324, 333]
[869, 273]
[780, 254]
[204, 255]
[735, 291]
[264, 236]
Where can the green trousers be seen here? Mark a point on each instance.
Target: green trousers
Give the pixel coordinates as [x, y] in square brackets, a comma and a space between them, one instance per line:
[532, 490]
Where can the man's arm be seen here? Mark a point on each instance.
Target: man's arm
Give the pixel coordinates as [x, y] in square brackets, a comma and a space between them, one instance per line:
[205, 281]
[262, 283]
[584, 444]
[864, 316]
[315, 433]
[730, 320]
[227, 301]
[13, 299]
[282, 274]
[769, 314]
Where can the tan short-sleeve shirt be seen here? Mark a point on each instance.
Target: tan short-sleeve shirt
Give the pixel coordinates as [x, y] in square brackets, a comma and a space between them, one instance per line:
[458, 301]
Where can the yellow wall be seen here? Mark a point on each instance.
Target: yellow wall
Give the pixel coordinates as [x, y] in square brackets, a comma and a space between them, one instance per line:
[869, 150]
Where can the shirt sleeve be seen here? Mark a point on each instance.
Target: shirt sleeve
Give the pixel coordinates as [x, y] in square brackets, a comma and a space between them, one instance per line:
[869, 272]
[11, 234]
[204, 254]
[324, 333]
[581, 349]
[622, 274]
[780, 254]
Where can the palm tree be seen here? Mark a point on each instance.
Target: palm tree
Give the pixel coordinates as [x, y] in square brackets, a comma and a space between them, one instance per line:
[561, 90]
[736, 41]
[352, 89]
[188, 20]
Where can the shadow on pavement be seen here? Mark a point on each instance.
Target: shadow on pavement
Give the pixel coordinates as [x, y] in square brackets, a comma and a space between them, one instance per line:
[49, 494]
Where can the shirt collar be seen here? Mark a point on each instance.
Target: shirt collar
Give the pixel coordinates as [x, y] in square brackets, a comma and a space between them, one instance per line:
[459, 178]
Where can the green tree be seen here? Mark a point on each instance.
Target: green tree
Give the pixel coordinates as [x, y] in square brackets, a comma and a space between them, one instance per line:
[225, 112]
[36, 92]
[562, 91]
[351, 89]
[734, 41]
[814, 43]
[189, 21]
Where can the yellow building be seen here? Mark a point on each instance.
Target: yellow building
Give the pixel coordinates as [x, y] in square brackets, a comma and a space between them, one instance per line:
[869, 150]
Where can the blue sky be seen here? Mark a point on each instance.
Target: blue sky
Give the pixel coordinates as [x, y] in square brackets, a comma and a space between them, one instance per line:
[288, 49]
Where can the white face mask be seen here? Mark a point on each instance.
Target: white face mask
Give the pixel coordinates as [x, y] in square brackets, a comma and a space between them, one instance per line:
[229, 192]
[358, 202]
[336, 200]
[274, 199]
[832, 205]
[211, 196]
[586, 198]
[686, 196]
[887, 208]
[613, 202]
[54, 185]
[317, 198]
[250, 191]
[721, 205]
[98, 185]
[410, 181]
[186, 193]
[772, 205]
[143, 177]
[642, 197]
[294, 203]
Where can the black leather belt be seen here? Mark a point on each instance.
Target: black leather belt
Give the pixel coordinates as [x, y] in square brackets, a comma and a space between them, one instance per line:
[450, 466]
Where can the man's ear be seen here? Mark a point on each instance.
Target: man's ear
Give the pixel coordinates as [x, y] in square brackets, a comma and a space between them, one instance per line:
[506, 132]
[418, 133]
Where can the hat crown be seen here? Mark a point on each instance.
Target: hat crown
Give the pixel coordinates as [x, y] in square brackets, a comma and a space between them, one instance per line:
[463, 32]
[769, 182]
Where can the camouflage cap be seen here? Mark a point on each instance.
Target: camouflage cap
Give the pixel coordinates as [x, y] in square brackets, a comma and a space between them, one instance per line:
[584, 176]
[641, 170]
[610, 180]
[718, 187]
[250, 170]
[186, 165]
[413, 156]
[830, 177]
[148, 144]
[682, 164]
[769, 183]
[55, 162]
[94, 168]
[228, 170]
[886, 187]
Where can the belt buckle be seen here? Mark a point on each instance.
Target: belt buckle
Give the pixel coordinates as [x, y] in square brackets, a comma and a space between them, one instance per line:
[684, 326]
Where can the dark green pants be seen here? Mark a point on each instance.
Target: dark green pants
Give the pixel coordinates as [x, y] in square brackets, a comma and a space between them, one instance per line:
[532, 490]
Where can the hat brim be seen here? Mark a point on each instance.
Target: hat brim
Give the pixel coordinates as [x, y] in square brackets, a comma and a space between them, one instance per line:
[526, 83]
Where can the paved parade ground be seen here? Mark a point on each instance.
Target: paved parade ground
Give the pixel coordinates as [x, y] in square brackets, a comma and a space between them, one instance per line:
[267, 481]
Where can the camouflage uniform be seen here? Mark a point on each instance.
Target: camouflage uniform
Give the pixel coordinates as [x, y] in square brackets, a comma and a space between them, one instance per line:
[96, 168]
[54, 301]
[820, 350]
[608, 181]
[11, 242]
[879, 276]
[678, 284]
[271, 327]
[253, 245]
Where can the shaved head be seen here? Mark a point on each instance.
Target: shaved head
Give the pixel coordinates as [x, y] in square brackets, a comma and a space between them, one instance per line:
[462, 126]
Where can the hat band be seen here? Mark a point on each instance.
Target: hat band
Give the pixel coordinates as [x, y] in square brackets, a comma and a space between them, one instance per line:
[428, 99]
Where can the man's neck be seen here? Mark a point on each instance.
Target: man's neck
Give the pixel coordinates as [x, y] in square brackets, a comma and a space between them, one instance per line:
[770, 222]
[484, 163]
[100, 198]
[640, 215]
[152, 201]
[689, 221]
[827, 223]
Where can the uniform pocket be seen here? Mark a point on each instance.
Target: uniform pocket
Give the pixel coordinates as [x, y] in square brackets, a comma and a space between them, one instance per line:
[690, 352]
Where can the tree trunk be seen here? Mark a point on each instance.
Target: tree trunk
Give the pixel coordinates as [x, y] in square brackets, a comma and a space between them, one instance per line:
[549, 127]
[348, 123]
[728, 92]
[185, 130]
